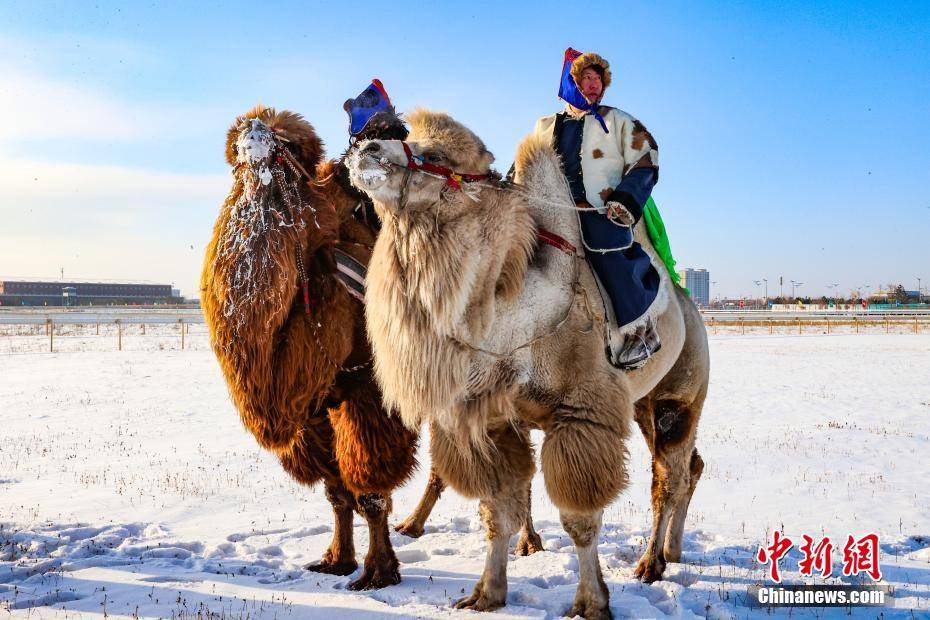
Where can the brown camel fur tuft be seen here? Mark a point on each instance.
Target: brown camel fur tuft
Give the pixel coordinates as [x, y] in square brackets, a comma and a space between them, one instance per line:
[301, 378]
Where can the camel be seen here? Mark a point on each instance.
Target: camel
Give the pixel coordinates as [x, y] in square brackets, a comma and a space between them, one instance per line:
[290, 338]
[482, 333]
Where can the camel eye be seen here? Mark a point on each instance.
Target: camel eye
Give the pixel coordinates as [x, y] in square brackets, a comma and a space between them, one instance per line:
[433, 158]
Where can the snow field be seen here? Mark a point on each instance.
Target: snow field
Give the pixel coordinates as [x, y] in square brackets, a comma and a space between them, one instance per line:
[129, 488]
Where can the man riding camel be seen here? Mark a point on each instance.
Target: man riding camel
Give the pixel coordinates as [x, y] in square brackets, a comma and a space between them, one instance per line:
[611, 164]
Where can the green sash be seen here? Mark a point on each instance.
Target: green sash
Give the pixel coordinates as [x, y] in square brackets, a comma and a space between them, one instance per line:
[656, 229]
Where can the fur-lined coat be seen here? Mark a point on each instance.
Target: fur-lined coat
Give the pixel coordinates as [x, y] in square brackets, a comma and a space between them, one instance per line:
[607, 157]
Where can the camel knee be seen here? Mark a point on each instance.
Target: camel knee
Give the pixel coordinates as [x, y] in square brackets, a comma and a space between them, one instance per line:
[584, 466]
[373, 505]
[675, 424]
[582, 528]
[503, 515]
[339, 497]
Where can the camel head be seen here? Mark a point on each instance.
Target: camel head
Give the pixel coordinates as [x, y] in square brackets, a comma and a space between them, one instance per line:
[270, 210]
[380, 167]
[247, 137]
[273, 155]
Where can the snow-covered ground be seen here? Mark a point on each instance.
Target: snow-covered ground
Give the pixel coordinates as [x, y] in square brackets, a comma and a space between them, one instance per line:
[128, 487]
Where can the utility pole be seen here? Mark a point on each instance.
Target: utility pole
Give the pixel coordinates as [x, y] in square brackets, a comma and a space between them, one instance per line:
[766, 292]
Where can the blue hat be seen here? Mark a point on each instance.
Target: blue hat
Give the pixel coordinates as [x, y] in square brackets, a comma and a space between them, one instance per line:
[372, 100]
[568, 88]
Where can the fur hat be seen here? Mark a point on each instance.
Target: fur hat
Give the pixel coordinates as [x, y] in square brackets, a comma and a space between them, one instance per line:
[588, 60]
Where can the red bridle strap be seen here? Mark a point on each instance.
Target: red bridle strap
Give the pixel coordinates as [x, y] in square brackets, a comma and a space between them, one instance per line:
[453, 178]
[559, 243]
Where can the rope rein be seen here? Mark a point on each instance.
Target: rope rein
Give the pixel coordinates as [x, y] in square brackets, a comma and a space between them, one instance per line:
[454, 181]
[289, 191]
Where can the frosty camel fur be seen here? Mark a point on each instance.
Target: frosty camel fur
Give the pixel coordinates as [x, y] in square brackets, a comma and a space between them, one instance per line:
[482, 334]
[293, 377]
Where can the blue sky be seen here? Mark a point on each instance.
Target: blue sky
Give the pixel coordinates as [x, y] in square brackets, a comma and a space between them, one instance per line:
[794, 139]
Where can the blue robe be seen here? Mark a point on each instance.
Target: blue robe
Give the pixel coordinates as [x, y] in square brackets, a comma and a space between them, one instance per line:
[627, 276]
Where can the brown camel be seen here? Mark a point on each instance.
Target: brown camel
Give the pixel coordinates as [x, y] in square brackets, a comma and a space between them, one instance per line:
[290, 338]
[483, 334]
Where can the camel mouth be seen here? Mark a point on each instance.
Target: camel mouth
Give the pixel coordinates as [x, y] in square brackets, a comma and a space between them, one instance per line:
[367, 172]
[255, 143]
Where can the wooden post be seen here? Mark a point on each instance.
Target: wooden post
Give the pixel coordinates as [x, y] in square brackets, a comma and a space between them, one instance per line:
[886, 324]
[49, 328]
[856, 323]
[713, 323]
[181, 321]
[119, 334]
[742, 325]
[915, 323]
[828, 325]
[143, 329]
[98, 329]
[771, 326]
[799, 325]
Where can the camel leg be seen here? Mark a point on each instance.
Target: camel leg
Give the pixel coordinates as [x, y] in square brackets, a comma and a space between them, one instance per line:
[592, 598]
[381, 566]
[339, 559]
[672, 434]
[676, 525]
[529, 541]
[584, 465]
[499, 479]
[414, 525]
[502, 515]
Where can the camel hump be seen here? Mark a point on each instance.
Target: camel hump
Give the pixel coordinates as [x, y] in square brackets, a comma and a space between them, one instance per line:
[537, 167]
[534, 155]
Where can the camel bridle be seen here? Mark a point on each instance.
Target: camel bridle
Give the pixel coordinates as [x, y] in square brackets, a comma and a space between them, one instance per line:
[417, 163]
[281, 158]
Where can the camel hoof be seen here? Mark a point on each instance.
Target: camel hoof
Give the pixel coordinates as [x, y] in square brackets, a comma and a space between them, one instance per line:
[333, 568]
[376, 577]
[528, 544]
[410, 527]
[649, 569]
[590, 611]
[480, 601]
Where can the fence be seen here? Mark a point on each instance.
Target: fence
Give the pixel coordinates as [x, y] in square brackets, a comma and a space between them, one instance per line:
[857, 324]
[26, 330]
[69, 330]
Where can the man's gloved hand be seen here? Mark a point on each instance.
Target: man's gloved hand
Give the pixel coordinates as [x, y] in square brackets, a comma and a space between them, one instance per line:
[619, 214]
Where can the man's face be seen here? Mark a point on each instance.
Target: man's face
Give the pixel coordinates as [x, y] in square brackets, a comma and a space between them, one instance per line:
[591, 85]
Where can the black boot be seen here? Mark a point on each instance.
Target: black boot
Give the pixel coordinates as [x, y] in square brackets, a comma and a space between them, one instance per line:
[638, 346]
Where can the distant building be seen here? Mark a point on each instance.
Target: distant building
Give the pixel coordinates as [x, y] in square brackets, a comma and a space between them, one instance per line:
[57, 293]
[698, 282]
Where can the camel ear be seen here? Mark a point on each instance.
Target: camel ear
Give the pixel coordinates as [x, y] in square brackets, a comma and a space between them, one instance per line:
[232, 153]
[487, 158]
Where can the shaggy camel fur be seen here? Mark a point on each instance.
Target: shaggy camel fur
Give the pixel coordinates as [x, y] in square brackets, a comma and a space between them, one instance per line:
[482, 334]
[301, 378]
